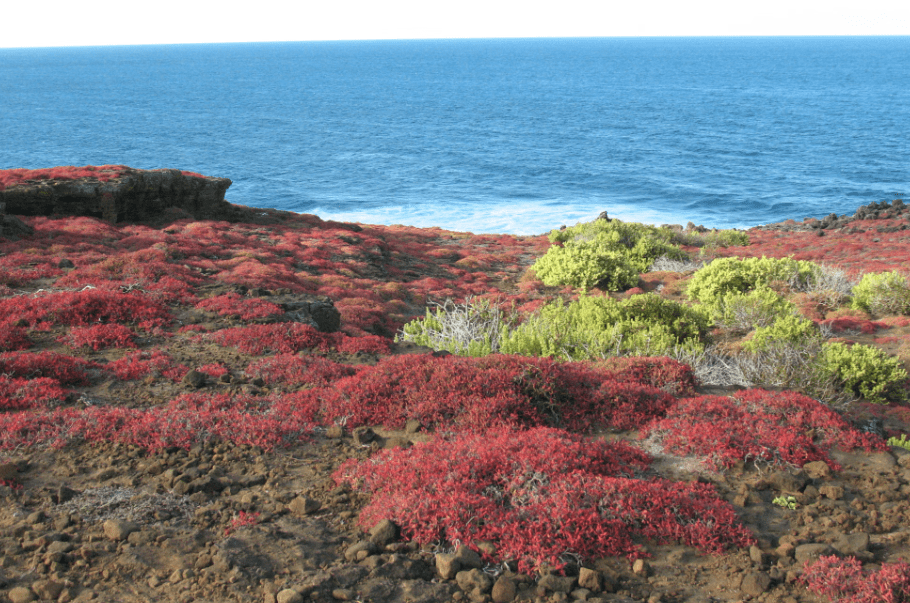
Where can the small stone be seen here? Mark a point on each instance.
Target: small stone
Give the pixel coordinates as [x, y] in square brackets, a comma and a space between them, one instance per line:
[289, 595]
[334, 432]
[473, 579]
[342, 594]
[363, 436]
[853, 544]
[412, 426]
[447, 565]
[468, 557]
[194, 379]
[384, 533]
[8, 470]
[118, 529]
[363, 546]
[20, 594]
[65, 263]
[504, 590]
[556, 584]
[817, 469]
[755, 583]
[641, 567]
[304, 505]
[811, 552]
[756, 555]
[832, 492]
[784, 481]
[47, 589]
[590, 579]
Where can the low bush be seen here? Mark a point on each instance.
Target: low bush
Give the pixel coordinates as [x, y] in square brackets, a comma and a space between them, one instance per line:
[863, 370]
[780, 428]
[291, 370]
[100, 337]
[86, 308]
[18, 394]
[453, 392]
[742, 312]
[844, 581]
[608, 254]
[787, 330]
[600, 327]
[540, 496]
[141, 364]
[473, 328]
[882, 294]
[13, 338]
[65, 369]
[293, 337]
[740, 275]
[235, 306]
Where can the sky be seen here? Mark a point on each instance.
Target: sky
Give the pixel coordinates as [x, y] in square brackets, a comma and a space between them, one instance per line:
[39, 23]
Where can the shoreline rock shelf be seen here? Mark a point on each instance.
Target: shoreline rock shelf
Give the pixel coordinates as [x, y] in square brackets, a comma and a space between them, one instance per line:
[131, 195]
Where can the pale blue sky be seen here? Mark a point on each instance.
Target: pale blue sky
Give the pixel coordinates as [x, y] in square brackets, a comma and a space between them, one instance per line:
[105, 22]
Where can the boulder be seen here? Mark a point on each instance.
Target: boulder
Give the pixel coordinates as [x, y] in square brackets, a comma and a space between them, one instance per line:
[130, 195]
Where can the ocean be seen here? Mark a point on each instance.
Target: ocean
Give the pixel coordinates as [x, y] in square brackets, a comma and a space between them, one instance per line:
[507, 136]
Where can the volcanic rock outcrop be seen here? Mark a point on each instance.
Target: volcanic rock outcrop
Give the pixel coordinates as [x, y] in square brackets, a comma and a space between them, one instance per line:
[132, 195]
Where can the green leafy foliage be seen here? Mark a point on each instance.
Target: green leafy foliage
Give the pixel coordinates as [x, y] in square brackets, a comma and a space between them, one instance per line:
[600, 327]
[791, 329]
[864, 370]
[882, 293]
[608, 254]
[735, 275]
[760, 307]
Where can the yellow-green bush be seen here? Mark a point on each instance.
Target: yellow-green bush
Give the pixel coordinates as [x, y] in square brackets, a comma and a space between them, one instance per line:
[601, 253]
[600, 327]
[864, 370]
[735, 275]
[882, 293]
[760, 307]
[791, 329]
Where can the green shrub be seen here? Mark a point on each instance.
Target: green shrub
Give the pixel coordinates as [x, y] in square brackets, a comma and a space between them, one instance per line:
[601, 327]
[710, 238]
[736, 275]
[760, 307]
[882, 293]
[901, 442]
[864, 370]
[473, 328]
[791, 329]
[610, 254]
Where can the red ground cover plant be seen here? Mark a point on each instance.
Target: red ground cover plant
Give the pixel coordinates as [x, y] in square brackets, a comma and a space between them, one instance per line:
[13, 338]
[215, 371]
[65, 172]
[292, 337]
[844, 581]
[187, 420]
[235, 306]
[85, 308]
[65, 369]
[854, 323]
[291, 370]
[143, 363]
[664, 373]
[100, 337]
[783, 428]
[541, 496]
[476, 393]
[18, 394]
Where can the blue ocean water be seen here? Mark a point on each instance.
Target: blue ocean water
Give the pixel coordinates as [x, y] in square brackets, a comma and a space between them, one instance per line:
[515, 136]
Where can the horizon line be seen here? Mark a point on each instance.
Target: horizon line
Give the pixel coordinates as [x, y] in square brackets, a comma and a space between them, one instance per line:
[468, 38]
